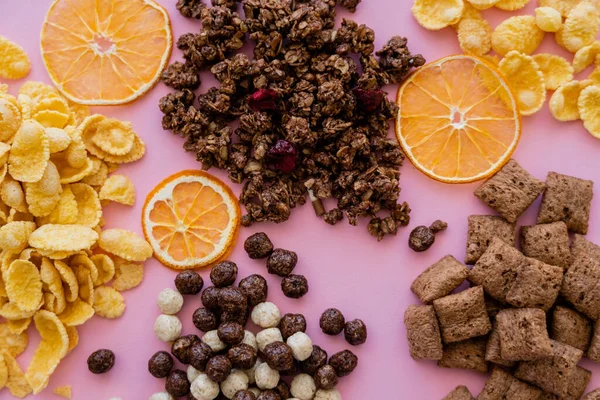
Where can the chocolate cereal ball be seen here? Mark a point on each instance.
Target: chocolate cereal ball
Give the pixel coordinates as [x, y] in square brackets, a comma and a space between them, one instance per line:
[101, 361]
[239, 317]
[317, 359]
[258, 246]
[160, 364]
[292, 323]
[283, 390]
[189, 282]
[231, 333]
[218, 368]
[242, 356]
[255, 288]
[210, 298]
[177, 384]
[199, 354]
[181, 347]
[279, 356]
[294, 286]
[232, 300]
[282, 262]
[343, 362]
[326, 377]
[269, 395]
[205, 320]
[244, 395]
[355, 332]
[224, 274]
[332, 321]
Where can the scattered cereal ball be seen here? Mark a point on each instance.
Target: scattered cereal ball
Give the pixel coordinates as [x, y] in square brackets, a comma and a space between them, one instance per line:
[332, 321]
[268, 336]
[177, 383]
[181, 347]
[294, 286]
[231, 333]
[317, 359]
[301, 345]
[344, 362]
[210, 298]
[160, 364]
[250, 372]
[223, 274]
[332, 394]
[161, 396]
[203, 388]
[355, 332]
[189, 282]
[266, 315]
[475, 36]
[548, 19]
[258, 246]
[211, 338]
[242, 356]
[218, 368]
[265, 377]
[438, 14]
[244, 395]
[232, 300]
[170, 301]
[101, 361]
[279, 356]
[268, 395]
[235, 382]
[325, 377]
[518, 33]
[292, 323]
[303, 387]
[282, 262]
[283, 390]
[192, 373]
[250, 340]
[256, 391]
[200, 353]
[167, 327]
[255, 288]
[205, 320]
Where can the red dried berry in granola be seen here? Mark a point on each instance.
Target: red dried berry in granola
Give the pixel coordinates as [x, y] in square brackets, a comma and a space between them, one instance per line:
[368, 100]
[263, 100]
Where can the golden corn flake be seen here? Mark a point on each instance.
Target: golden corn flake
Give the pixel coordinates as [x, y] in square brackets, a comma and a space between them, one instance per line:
[595, 75]
[43, 196]
[108, 302]
[65, 211]
[118, 188]
[55, 103]
[125, 244]
[511, 5]
[52, 348]
[129, 275]
[14, 62]
[10, 119]
[18, 326]
[23, 285]
[63, 391]
[526, 80]
[51, 118]
[4, 151]
[73, 337]
[112, 167]
[37, 91]
[76, 154]
[17, 384]
[589, 109]
[518, 33]
[69, 174]
[548, 19]
[475, 36]
[89, 209]
[586, 56]
[68, 277]
[49, 302]
[482, 4]
[581, 27]
[105, 266]
[564, 7]
[437, 14]
[83, 260]
[54, 237]
[3, 372]
[51, 278]
[58, 139]
[563, 103]
[10, 311]
[14, 236]
[30, 153]
[469, 12]
[24, 105]
[99, 176]
[114, 137]
[12, 343]
[86, 284]
[76, 313]
[556, 70]
[56, 255]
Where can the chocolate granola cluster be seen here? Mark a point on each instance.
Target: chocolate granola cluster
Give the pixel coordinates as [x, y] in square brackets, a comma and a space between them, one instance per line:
[309, 122]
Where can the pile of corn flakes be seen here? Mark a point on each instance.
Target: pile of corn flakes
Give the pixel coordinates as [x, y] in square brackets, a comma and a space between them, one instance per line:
[55, 260]
[575, 24]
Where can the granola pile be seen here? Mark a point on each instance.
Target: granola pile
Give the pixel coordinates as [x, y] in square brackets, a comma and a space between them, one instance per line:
[311, 119]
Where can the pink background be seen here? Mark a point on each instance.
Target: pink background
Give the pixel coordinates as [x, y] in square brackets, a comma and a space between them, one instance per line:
[346, 268]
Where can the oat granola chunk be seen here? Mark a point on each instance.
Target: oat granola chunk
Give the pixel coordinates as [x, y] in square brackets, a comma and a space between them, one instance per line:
[440, 279]
[570, 327]
[423, 333]
[482, 229]
[523, 334]
[548, 243]
[567, 199]
[460, 393]
[468, 354]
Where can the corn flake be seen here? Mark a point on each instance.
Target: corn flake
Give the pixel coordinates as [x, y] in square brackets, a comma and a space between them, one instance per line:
[564, 7]
[14, 236]
[54, 237]
[548, 19]
[49, 302]
[14, 62]
[563, 103]
[52, 280]
[108, 303]
[65, 211]
[86, 284]
[586, 56]
[581, 27]
[511, 5]
[556, 70]
[3, 372]
[58, 139]
[469, 12]
[475, 36]
[37, 91]
[10, 119]
[63, 391]
[73, 337]
[118, 188]
[17, 384]
[30, 153]
[519, 33]
[23, 285]
[589, 110]
[89, 209]
[99, 176]
[43, 196]
[83, 260]
[125, 244]
[69, 174]
[114, 137]
[437, 14]
[482, 4]
[51, 118]
[4, 151]
[129, 275]
[526, 80]
[76, 313]
[68, 277]
[10, 342]
[18, 326]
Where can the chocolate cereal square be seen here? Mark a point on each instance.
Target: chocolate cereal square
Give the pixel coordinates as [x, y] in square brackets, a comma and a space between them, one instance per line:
[423, 333]
[492, 351]
[523, 334]
[440, 279]
[583, 247]
[570, 327]
[567, 199]
[552, 374]
[595, 395]
[501, 385]
[581, 287]
[462, 315]
[548, 243]
[579, 382]
[460, 393]
[593, 352]
[469, 354]
[482, 229]
[511, 191]
[535, 285]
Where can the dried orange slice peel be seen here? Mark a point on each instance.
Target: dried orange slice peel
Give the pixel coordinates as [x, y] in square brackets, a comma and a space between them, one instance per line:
[105, 52]
[191, 219]
[458, 121]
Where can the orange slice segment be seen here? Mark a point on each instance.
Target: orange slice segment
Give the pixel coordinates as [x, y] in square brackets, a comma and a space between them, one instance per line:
[105, 52]
[191, 219]
[458, 120]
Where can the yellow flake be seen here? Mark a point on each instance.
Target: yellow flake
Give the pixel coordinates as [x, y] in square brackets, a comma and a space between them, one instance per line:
[14, 62]
[519, 33]
[108, 303]
[118, 188]
[589, 110]
[23, 285]
[556, 70]
[63, 237]
[125, 244]
[475, 36]
[548, 19]
[129, 276]
[437, 14]
[581, 27]
[14, 236]
[526, 80]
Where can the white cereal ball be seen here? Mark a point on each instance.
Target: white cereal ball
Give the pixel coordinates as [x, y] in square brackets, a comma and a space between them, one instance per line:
[301, 345]
[256, 391]
[266, 315]
[236, 381]
[161, 396]
[266, 378]
[203, 388]
[268, 336]
[303, 387]
[192, 373]
[250, 340]
[170, 301]
[332, 394]
[211, 338]
[167, 327]
[250, 372]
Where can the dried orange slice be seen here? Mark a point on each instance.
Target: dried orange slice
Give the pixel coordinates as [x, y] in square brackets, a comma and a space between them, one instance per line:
[458, 121]
[105, 52]
[191, 219]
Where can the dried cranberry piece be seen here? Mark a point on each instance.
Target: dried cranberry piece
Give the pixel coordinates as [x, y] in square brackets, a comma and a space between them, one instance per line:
[368, 100]
[283, 155]
[263, 100]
